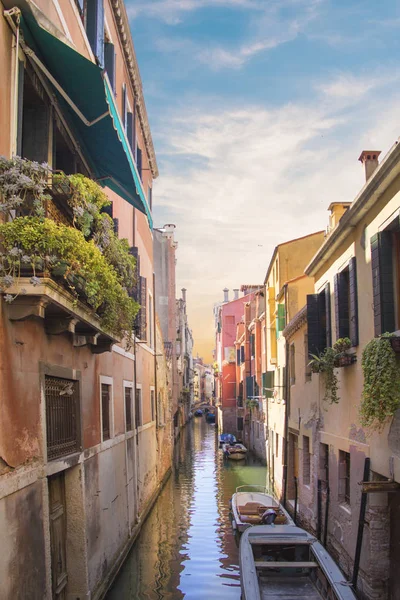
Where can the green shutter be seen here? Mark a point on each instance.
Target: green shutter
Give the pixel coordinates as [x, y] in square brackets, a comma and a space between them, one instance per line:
[249, 387]
[382, 282]
[353, 302]
[281, 317]
[268, 382]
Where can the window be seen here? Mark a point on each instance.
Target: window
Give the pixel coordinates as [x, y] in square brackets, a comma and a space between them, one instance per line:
[344, 477]
[153, 404]
[242, 357]
[292, 365]
[238, 362]
[109, 63]
[151, 322]
[276, 445]
[307, 368]
[150, 198]
[106, 411]
[346, 306]
[139, 161]
[306, 460]
[124, 113]
[240, 423]
[128, 406]
[253, 345]
[385, 263]
[324, 464]
[319, 321]
[280, 318]
[62, 417]
[268, 384]
[138, 407]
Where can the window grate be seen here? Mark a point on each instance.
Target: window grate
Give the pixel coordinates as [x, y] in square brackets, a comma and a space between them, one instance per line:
[62, 417]
[105, 410]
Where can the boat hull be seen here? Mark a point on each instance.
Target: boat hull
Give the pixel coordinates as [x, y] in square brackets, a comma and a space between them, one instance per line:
[248, 507]
[283, 561]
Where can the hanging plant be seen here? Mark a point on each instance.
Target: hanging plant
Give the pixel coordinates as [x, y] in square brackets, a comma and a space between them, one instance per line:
[250, 403]
[327, 363]
[381, 392]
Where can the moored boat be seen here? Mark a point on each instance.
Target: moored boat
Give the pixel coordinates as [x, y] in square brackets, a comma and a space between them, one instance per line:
[252, 505]
[234, 451]
[287, 562]
[210, 417]
[226, 438]
[198, 413]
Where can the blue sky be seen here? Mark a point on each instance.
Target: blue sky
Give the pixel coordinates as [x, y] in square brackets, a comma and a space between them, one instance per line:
[259, 110]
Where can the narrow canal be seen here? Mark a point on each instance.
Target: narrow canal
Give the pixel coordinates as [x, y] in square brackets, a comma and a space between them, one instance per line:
[186, 548]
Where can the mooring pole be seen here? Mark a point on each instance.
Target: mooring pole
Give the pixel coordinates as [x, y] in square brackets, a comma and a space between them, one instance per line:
[295, 501]
[361, 522]
[319, 510]
[326, 516]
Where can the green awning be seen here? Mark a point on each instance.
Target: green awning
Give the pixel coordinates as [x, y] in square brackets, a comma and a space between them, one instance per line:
[104, 143]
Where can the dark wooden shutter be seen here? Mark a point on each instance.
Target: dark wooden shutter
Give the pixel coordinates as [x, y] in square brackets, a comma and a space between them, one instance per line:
[109, 63]
[242, 357]
[139, 162]
[95, 28]
[129, 130]
[328, 325]
[382, 282]
[353, 302]
[124, 106]
[341, 305]
[151, 198]
[116, 226]
[314, 325]
[238, 356]
[249, 387]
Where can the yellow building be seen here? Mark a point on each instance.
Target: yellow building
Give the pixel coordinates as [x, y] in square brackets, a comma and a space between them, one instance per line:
[286, 288]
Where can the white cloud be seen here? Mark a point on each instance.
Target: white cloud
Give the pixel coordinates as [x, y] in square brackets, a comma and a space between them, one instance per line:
[170, 11]
[238, 182]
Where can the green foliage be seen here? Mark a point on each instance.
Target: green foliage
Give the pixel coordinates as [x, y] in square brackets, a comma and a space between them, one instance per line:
[381, 392]
[90, 257]
[42, 245]
[327, 363]
[250, 403]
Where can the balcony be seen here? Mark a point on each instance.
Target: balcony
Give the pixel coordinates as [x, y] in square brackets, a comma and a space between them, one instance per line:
[60, 259]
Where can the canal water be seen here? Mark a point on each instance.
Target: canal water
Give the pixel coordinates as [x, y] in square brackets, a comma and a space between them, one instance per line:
[186, 548]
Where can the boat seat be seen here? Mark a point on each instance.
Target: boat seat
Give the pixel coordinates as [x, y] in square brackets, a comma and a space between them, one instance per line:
[252, 508]
[271, 564]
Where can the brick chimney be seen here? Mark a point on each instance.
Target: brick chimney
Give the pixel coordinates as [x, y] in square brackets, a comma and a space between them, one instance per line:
[236, 294]
[168, 230]
[369, 158]
[226, 292]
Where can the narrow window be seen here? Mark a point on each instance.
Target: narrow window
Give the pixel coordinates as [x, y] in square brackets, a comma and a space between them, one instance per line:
[240, 423]
[324, 465]
[138, 408]
[292, 365]
[319, 321]
[128, 409]
[95, 28]
[306, 460]
[124, 107]
[109, 63]
[105, 410]
[139, 161]
[153, 405]
[62, 417]
[344, 477]
[276, 445]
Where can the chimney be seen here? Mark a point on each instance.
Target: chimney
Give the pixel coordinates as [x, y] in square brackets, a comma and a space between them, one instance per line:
[337, 210]
[226, 292]
[236, 294]
[168, 230]
[184, 294]
[369, 158]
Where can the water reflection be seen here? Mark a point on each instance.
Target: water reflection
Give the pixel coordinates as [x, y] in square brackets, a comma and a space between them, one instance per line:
[187, 548]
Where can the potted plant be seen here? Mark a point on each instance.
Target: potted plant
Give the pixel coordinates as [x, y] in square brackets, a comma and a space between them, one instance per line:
[327, 363]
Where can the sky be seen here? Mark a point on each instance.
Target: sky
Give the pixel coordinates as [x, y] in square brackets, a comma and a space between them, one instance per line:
[259, 110]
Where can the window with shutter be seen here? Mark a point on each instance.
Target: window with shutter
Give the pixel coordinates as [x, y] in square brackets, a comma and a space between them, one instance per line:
[281, 318]
[95, 28]
[346, 304]
[383, 281]
[124, 107]
[353, 302]
[109, 63]
[242, 356]
[129, 131]
[269, 380]
[249, 387]
[139, 161]
[318, 321]
[238, 356]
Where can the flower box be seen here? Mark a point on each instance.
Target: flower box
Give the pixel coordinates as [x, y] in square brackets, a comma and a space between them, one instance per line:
[344, 360]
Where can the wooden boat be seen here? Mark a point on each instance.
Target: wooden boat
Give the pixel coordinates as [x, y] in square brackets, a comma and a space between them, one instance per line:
[234, 451]
[252, 505]
[198, 413]
[281, 562]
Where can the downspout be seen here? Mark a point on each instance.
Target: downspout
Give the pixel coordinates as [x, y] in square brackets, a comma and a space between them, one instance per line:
[136, 446]
[287, 406]
[155, 370]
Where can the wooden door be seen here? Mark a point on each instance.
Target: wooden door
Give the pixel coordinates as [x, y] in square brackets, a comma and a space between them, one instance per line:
[57, 536]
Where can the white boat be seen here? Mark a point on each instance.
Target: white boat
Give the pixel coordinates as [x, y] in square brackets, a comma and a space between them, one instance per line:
[252, 505]
[234, 451]
[284, 562]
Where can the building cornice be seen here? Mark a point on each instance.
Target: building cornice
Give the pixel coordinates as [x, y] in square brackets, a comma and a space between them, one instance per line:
[373, 189]
[122, 22]
[296, 323]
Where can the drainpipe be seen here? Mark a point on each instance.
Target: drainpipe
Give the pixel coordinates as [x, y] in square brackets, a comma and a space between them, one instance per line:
[287, 407]
[136, 446]
[9, 14]
[155, 369]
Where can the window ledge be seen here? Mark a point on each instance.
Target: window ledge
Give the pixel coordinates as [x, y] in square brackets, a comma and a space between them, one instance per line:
[61, 313]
